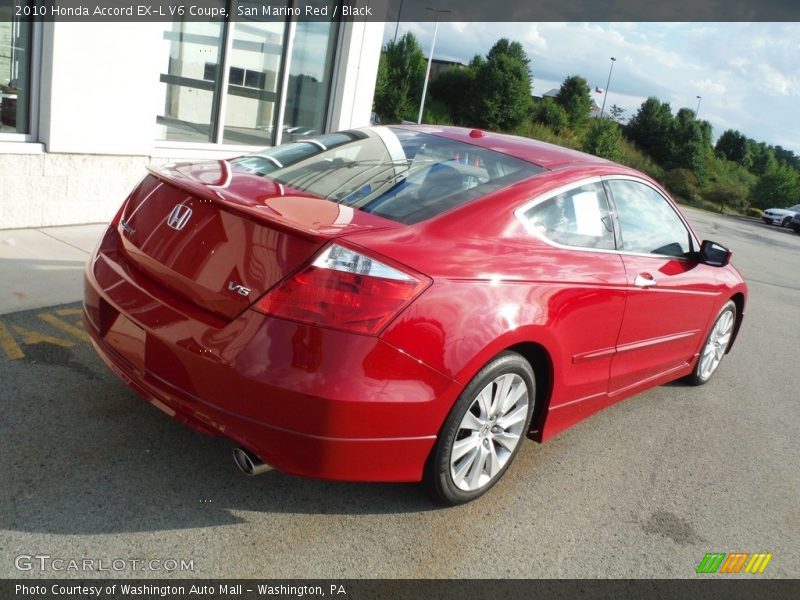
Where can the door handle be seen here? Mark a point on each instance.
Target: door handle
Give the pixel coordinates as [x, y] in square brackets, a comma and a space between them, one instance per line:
[644, 280]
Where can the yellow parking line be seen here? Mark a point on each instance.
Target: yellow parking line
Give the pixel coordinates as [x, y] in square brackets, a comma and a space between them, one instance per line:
[66, 312]
[64, 326]
[34, 337]
[9, 344]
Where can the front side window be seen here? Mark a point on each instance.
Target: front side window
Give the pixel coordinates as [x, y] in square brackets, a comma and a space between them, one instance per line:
[648, 222]
[578, 217]
[15, 69]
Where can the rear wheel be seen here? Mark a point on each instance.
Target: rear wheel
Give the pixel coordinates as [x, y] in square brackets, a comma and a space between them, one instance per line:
[716, 345]
[483, 432]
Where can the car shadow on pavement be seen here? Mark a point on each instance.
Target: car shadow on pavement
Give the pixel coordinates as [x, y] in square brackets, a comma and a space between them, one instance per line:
[84, 454]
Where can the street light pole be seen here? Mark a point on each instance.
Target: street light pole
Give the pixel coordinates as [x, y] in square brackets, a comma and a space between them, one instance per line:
[396, 27]
[697, 110]
[602, 110]
[430, 60]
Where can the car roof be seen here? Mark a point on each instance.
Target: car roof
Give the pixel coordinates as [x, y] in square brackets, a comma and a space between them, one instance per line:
[548, 156]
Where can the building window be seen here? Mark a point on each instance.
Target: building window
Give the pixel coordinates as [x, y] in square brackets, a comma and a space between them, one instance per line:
[247, 82]
[310, 71]
[16, 44]
[237, 76]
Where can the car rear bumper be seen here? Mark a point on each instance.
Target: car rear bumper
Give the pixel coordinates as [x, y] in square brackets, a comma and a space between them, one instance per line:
[307, 400]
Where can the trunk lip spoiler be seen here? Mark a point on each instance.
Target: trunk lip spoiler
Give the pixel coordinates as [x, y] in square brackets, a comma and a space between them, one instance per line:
[222, 196]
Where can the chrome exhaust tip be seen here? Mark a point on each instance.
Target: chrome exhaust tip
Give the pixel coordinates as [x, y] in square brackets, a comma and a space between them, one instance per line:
[249, 463]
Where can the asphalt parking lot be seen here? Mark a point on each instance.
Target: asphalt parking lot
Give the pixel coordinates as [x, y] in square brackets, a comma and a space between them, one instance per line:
[643, 489]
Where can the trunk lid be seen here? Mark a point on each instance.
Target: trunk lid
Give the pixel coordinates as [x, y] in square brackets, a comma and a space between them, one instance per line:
[221, 238]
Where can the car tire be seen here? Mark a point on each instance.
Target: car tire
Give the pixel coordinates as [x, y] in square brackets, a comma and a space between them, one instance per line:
[715, 346]
[483, 432]
[786, 221]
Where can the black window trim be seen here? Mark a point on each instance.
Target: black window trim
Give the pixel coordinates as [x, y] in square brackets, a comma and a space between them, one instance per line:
[694, 244]
[519, 213]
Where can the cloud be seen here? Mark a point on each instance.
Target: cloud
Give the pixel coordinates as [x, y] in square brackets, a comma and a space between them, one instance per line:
[777, 83]
[707, 86]
[534, 40]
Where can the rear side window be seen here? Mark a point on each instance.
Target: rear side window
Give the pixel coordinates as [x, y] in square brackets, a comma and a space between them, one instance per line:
[406, 176]
[648, 222]
[579, 217]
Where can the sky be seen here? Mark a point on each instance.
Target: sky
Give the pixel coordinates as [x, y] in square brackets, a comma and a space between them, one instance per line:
[747, 74]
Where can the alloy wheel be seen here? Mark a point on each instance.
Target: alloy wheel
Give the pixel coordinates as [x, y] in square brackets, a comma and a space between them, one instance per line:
[489, 432]
[716, 345]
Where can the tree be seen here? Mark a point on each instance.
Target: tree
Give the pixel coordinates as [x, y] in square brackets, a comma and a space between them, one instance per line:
[616, 113]
[762, 157]
[455, 89]
[401, 72]
[503, 97]
[548, 112]
[688, 143]
[778, 186]
[651, 128]
[787, 156]
[575, 96]
[509, 48]
[735, 147]
[682, 182]
[603, 139]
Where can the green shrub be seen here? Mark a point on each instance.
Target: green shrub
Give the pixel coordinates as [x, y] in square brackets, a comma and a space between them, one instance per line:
[553, 115]
[641, 161]
[603, 138]
[436, 113]
[754, 212]
[682, 182]
[733, 198]
[537, 131]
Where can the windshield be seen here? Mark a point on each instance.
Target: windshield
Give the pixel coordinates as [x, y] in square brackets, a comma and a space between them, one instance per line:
[399, 174]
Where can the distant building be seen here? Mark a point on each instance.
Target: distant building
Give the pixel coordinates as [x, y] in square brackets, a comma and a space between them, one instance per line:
[439, 66]
[551, 93]
[594, 109]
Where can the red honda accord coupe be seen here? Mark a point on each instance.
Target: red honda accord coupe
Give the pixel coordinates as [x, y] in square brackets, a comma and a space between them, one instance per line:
[404, 303]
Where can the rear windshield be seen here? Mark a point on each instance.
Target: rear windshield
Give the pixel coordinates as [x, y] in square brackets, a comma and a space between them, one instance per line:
[402, 175]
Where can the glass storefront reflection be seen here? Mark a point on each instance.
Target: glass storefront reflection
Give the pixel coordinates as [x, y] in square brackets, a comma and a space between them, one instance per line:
[189, 82]
[15, 65]
[251, 55]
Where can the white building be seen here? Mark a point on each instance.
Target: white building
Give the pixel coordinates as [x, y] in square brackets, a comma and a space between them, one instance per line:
[85, 106]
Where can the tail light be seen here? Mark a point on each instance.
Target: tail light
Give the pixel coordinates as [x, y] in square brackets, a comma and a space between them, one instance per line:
[344, 289]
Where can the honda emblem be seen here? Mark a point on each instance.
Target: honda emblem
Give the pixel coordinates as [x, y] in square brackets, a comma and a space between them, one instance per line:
[179, 216]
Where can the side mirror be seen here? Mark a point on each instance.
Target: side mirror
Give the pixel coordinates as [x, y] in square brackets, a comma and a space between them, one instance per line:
[714, 254]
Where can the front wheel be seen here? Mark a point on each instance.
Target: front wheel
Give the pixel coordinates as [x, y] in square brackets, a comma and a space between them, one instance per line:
[483, 432]
[716, 345]
[786, 221]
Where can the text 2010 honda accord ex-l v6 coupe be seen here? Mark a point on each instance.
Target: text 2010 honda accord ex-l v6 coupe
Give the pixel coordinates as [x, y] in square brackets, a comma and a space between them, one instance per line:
[404, 303]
